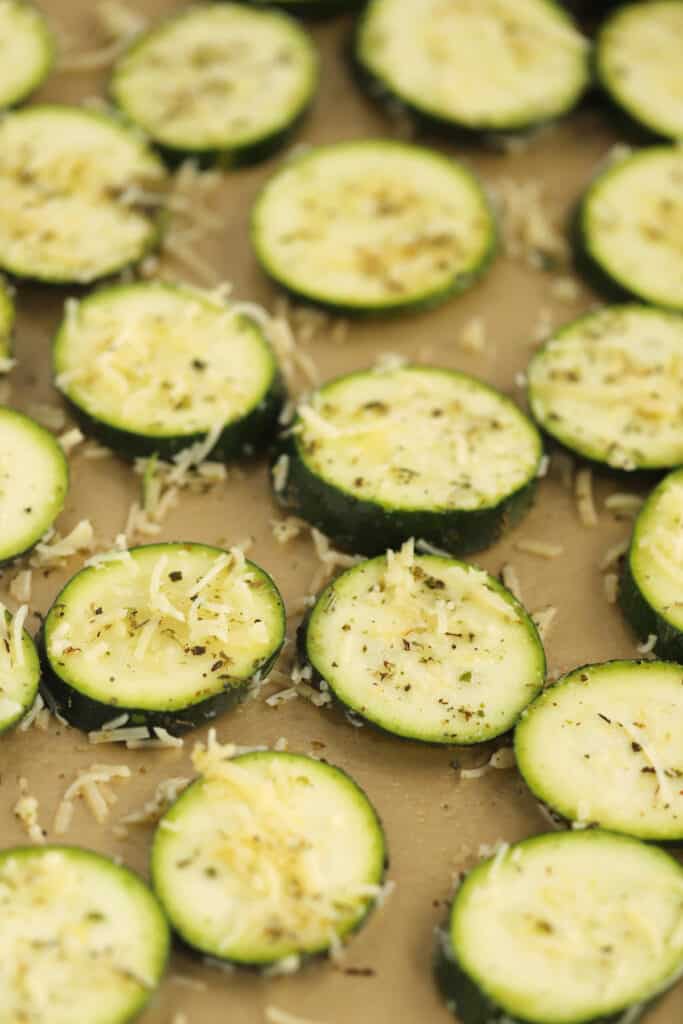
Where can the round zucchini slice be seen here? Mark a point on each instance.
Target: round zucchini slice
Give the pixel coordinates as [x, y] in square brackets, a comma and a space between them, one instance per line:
[29, 51]
[267, 858]
[82, 938]
[564, 928]
[628, 226]
[34, 480]
[378, 456]
[373, 226]
[638, 63]
[652, 577]
[602, 747]
[7, 316]
[426, 648]
[19, 669]
[608, 386]
[74, 185]
[153, 367]
[482, 65]
[171, 634]
[218, 80]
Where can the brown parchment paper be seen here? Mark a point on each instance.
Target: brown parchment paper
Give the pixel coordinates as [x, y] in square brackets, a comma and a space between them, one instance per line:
[435, 821]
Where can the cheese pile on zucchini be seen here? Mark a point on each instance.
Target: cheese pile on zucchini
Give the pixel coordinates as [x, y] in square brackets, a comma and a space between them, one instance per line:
[267, 857]
[610, 387]
[570, 927]
[217, 78]
[80, 938]
[378, 456]
[488, 65]
[153, 367]
[603, 746]
[630, 223]
[28, 50]
[34, 479]
[652, 580]
[638, 62]
[19, 668]
[73, 195]
[425, 647]
[373, 225]
[170, 633]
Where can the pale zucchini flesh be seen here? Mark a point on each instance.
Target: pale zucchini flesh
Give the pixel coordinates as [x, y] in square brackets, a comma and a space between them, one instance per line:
[157, 364]
[629, 226]
[564, 928]
[217, 78]
[609, 386]
[168, 632]
[486, 65]
[81, 938]
[426, 647]
[19, 671]
[34, 479]
[638, 62]
[72, 195]
[267, 858]
[26, 53]
[373, 226]
[602, 747]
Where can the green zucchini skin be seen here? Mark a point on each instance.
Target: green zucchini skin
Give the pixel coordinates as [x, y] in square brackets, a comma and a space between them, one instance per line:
[49, 48]
[7, 321]
[89, 715]
[368, 528]
[238, 439]
[587, 267]
[645, 621]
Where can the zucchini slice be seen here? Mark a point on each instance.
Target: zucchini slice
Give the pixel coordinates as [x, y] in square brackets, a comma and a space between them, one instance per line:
[652, 577]
[602, 746]
[482, 65]
[373, 226]
[426, 648]
[608, 386]
[28, 51]
[19, 669]
[171, 634]
[74, 188]
[219, 80]
[153, 367]
[564, 928]
[267, 858]
[7, 317]
[82, 938]
[629, 226]
[638, 64]
[378, 456]
[34, 480]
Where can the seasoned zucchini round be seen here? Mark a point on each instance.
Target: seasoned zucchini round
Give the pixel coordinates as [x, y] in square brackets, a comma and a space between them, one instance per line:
[425, 647]
[482, 65]
[35, 480]
[628, 226]
[564, 928]
[373, 225]
[378, 456]
[218, 80]
[19, 669]
[652, 576]
[82, 938]
[171, 634]
[28, 51]
[638, 63]
[602, 746]
[608, 386]
[154, 367]
[267, 858]
[7, 315]
[74, 186]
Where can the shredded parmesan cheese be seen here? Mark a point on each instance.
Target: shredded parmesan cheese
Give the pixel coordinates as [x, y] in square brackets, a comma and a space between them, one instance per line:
[473, 336]
[529, 233]
[613, 554]
[511, 580]
[26, 810]
[544, 549]
[273, 1015]
[649, 645]
[583, 489]
[53, 551]
[286, 530]
[86, 785]
[543, 620]
[165, 794]
[70, 440]
[611, 587]
[20, 586]
[624, 505]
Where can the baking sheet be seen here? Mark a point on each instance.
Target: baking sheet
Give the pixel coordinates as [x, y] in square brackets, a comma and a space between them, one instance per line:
[435, 821]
